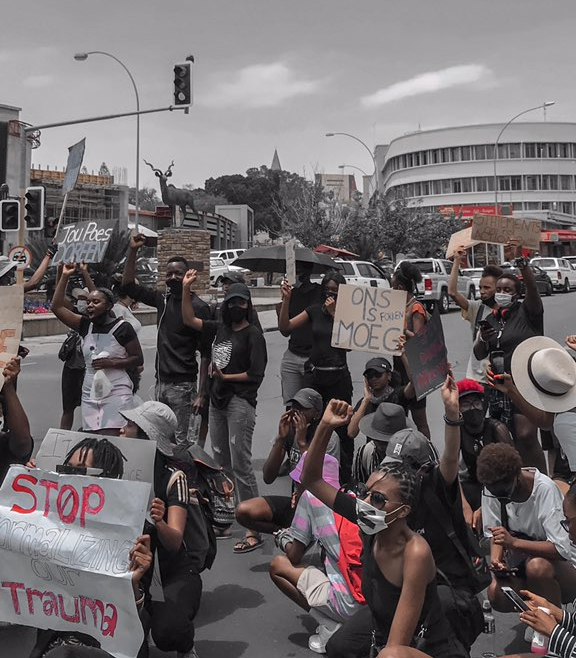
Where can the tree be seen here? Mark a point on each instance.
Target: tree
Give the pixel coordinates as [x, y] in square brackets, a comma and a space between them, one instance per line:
[147, 198]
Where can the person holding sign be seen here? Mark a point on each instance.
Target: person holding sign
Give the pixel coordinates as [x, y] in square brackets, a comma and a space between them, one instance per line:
[110, 348]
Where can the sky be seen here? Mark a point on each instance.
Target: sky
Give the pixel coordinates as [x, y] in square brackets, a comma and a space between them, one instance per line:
[279, 75]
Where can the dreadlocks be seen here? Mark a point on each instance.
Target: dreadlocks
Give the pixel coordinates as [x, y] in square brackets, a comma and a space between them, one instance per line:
[105, 456]
[407, 478]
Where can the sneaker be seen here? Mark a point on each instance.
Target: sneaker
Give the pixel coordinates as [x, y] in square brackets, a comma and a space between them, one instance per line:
[317, 643]
[187, 654]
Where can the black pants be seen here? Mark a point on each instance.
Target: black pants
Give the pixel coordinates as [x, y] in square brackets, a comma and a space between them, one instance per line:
[172, 623]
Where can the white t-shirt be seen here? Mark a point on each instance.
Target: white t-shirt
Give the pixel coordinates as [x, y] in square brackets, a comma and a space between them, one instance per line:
[121, 311]
[565, 432]
[539, 517]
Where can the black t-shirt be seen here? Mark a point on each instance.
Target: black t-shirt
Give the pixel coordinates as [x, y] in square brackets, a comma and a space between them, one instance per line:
[7, 457]
[304, 296]
[124, 334]
[235, 352]
[176, 343]
[322, 353]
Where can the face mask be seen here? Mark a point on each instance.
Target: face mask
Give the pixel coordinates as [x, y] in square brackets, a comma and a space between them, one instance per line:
[489, 301]
[81, 305]
[473, 420]
[504, 300]
[327, 295]
[174, 286]
[371, 520]
[237, 314]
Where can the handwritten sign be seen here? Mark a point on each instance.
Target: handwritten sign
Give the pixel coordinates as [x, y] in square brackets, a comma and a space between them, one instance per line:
[500, 229]
[291, 262]
[460, 239]
[84, 241]
[427, 357]
[11, 304]
[75, 157]
[64, 545]
[368, 319]
[140, 454]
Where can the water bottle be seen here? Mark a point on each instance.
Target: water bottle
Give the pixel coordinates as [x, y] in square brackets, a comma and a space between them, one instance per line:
[489, 629]
[540, 641]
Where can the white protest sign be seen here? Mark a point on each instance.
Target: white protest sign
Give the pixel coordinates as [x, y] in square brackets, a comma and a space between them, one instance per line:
[11, 316]
[500, 229]
[368, 319]
[460, 239]
[64, 550]
[291, 261]
[140, 454]
[84, 241]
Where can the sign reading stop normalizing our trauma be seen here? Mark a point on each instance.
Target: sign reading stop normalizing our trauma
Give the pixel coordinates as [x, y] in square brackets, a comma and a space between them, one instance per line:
[500, 229]
[64, 550]
[368, 319]
[84, 241]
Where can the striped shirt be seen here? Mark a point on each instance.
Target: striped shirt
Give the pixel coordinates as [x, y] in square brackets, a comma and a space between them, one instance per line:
[314, 521]
[563, 637]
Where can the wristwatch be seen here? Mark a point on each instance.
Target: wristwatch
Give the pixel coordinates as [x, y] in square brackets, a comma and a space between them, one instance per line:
[521, 262]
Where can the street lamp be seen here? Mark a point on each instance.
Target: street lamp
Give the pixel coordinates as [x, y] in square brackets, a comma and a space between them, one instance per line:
[377, 177]
[342, 166]
[531, 109]
[82, 57]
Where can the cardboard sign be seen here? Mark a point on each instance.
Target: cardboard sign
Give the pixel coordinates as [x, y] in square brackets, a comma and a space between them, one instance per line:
[368, 319]
[84, 241]
[500, 229]
[291, 262]
[75, 157]
[11, 316]
[64, 545]
[427, 357]
[460, 239]
[140, 454]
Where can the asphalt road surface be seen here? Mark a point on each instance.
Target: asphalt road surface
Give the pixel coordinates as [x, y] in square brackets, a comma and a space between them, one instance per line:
[242, 613]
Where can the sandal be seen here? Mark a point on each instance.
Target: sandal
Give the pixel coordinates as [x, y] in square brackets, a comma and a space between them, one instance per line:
[223, 533]
[248, 544]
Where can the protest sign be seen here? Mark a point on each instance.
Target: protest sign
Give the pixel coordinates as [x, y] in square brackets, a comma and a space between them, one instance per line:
[427, 357]
[75, 157]
[368, 319]
[64, 550]
[500, 229]
[11, 316]
[460, 239]
[291, 262]
[140, 454]
[84, 241]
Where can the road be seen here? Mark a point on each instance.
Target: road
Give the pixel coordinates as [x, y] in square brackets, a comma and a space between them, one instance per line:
[242, 613]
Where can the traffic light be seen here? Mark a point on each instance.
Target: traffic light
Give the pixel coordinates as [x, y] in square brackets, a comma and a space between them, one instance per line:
[183, 83]
[10, 215]
[34, 208]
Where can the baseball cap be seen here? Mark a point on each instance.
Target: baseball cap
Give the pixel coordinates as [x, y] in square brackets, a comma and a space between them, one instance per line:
[330, 470]
[410, 444]
[380, 364]
[6, 265]
[157, 421]
[469, 387]
[309, 399]
[237, 290]
[234, 277]
[385, 422]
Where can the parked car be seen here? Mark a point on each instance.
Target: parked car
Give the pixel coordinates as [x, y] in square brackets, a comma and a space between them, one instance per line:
[363, 273]
[475, 273]
[219, 269]
[572, 261]
[543, 281]
[433, 289]
[227, 255]
[562, 274]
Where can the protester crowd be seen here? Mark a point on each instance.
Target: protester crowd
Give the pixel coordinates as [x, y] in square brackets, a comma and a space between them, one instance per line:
[390, 545]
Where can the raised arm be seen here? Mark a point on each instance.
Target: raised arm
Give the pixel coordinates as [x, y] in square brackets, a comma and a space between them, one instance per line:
[88, 282]
[451, 456]
[277, 453]
[457, 297]
[129, 273]
[21, 442]
[38, 275]
[188, 316]
[59, 308]
[532, 299]
[287, 325]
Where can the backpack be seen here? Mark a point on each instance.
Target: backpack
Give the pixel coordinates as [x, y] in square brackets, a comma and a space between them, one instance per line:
[71, 351]
[350, 557]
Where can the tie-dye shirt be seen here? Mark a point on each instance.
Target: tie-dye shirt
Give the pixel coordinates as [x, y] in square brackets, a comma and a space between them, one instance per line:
[314, 521]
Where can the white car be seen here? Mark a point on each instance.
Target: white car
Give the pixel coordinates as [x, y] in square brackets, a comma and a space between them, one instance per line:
[362, 273]
[475, 273]
[219, 270]
[227, 255]
[560, 271]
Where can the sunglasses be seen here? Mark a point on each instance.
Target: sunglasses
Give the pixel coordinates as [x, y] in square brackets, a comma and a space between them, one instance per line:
[501, 494]
[377, 498]
[374, 374]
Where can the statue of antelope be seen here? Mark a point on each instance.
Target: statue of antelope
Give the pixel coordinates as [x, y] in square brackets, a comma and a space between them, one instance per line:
[173, 196]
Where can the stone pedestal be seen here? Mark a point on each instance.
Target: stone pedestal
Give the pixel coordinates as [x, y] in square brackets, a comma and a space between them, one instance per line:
[193, 245]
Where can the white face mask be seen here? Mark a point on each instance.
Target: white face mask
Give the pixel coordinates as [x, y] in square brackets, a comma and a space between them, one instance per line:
[81, 305]
[503, 299]
[371, 520]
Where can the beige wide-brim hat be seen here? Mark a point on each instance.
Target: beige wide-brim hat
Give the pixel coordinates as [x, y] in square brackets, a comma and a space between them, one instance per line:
[545, 374]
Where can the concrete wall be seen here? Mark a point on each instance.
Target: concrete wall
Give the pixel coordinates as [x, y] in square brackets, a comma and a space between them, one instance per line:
[194, 245]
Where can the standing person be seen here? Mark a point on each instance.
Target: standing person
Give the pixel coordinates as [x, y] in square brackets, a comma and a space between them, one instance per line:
[176, 367]
[474, 310]
[227, 280]
[237, 369]
[124, 306]
[101, 332]
[406, 277]
[327, 365]
[304, 294]
[511, 323]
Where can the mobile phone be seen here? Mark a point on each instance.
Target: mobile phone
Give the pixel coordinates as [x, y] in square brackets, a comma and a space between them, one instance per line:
[516, 599]
[504, 573]
[497, 362]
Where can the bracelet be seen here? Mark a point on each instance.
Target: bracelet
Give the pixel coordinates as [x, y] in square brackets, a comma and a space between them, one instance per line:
[454, 423]
[140, 601]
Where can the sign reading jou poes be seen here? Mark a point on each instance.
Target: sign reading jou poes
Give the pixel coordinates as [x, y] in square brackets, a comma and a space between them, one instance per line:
[64, 550]
[427, 357]
[500, 229]
[84, 241]
[11, 303]
[368, 319]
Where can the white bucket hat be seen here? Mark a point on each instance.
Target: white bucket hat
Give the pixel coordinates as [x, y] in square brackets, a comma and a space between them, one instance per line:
[545, 374]
[157, 421]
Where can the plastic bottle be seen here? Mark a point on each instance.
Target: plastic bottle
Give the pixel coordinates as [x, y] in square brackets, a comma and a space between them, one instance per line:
[489, 629]
[539, 641]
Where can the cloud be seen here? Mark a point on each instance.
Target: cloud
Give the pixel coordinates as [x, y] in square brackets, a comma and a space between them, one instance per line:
[38, 81]
[259, 86]
[426, 83]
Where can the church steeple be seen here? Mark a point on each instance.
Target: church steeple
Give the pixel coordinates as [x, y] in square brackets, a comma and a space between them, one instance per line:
[275, 162]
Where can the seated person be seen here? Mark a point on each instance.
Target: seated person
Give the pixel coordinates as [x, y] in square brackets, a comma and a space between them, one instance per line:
[325, 593]
[522, 515]
[378, 427]
[295, 431]
[16, 443]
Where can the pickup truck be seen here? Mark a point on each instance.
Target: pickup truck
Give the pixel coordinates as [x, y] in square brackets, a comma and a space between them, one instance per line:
[433, 289]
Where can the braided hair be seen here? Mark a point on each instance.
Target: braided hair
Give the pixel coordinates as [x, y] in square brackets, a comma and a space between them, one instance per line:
[107, 294]
[407, 276]
[105, 456]
[408, 480]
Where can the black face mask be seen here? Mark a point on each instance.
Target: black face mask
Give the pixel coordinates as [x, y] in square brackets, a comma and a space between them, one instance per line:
[474, 420]
[326, 296]
[174, 286]
[237, 313]
[489, 301]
